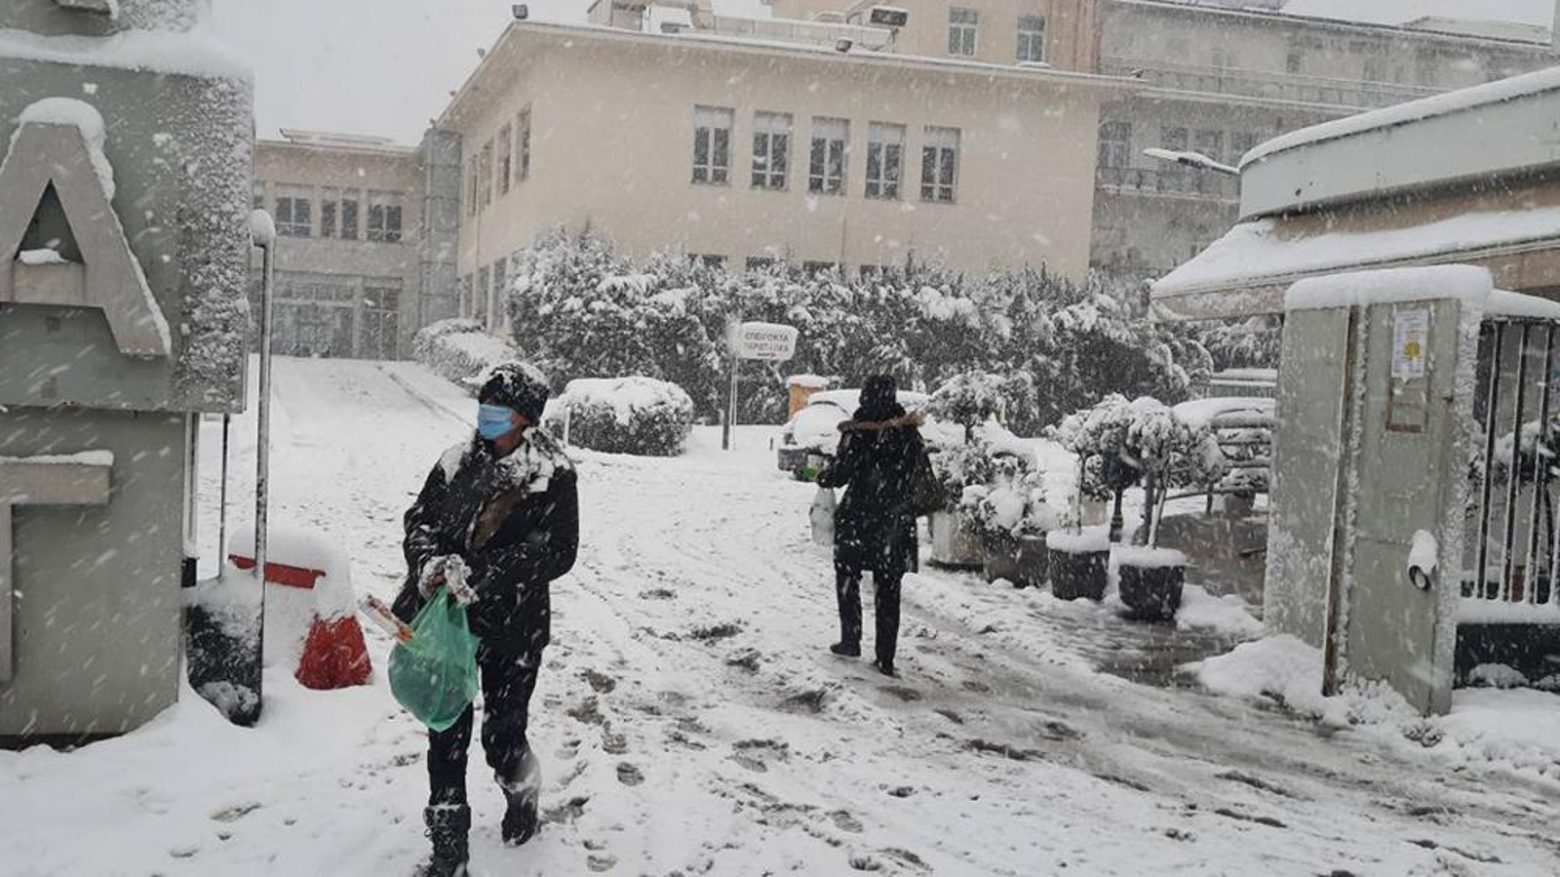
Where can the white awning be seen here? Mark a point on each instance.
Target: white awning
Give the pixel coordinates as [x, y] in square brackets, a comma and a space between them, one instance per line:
[1247, 271]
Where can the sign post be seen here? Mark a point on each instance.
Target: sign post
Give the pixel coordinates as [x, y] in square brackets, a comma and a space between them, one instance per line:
[766, 342]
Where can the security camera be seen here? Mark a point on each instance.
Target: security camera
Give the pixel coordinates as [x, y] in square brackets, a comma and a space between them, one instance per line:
[843, 45]
[520, 11]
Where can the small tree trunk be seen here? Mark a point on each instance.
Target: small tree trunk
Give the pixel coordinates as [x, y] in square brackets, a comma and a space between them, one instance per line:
[1150, 495]
[1117, 521]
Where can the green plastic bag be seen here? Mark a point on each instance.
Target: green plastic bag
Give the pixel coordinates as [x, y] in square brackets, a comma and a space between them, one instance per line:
[435, 674]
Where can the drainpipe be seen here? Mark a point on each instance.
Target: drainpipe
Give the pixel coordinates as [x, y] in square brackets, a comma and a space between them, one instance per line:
[264, 233]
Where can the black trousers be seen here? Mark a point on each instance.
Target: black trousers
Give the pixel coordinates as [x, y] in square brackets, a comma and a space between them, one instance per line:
[507, 683]
[885, 605]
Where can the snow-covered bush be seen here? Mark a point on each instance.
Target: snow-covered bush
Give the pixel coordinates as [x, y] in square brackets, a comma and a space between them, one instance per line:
[634, 415]
[969, 400]
[1010, 509]
[579, 309]
[460, 351]
[991, 455]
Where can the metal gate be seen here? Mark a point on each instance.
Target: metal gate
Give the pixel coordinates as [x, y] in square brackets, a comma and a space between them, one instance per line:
[1512, 539]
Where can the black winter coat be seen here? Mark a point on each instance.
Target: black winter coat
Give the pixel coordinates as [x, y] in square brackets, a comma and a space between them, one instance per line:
[874, 525]
[514, 520]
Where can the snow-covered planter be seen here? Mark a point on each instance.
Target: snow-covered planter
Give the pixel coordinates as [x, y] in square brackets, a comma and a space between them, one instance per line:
[1013, 519]
[1079, 563]
[955, 542]
[635, 415]
[460, 351]
[1149, 580]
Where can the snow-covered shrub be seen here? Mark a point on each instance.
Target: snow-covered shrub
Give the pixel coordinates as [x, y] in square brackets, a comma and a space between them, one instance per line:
[1009, 509]
[634, 415]
[991, 455]
[969, 400]
[579, 309]
[460, 351]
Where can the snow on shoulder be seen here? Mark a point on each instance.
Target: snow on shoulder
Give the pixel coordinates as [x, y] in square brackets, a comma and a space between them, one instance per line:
[1472, 285]
[80, 115]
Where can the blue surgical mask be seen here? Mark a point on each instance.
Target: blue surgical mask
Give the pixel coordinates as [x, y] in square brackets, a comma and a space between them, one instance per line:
[494, 421]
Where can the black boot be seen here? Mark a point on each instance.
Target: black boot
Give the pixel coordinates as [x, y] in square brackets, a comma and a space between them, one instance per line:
[847, 589]
[520, 817]
[448, 825]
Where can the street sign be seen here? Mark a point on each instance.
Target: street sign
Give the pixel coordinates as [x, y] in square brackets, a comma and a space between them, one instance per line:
[769, 342]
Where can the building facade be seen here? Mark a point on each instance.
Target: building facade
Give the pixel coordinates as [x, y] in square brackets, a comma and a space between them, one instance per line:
[744, 151]
[1222, 80]
[349, 222]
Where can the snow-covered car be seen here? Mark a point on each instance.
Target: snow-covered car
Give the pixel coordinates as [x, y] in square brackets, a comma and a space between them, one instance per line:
[813, 435]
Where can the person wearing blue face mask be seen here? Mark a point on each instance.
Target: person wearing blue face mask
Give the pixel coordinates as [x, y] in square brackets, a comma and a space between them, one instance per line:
[496, 522]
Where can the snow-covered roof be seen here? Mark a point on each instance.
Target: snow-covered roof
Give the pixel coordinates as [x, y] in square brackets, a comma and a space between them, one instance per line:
[509, 42]
[1383, 15]
[1472, 285]
[171, 52]
[1258, 255]
[1463, 100]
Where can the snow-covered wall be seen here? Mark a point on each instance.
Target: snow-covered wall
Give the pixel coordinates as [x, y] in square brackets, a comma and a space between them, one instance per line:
[179, 122]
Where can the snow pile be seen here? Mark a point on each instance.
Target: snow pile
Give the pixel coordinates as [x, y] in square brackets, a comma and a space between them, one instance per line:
[289, 611]
[1227, 614]
[1510, 729]
[1085, 541]
[635, 415]
[460, 351]
[161, 50]
[41, 256]
[80, 115]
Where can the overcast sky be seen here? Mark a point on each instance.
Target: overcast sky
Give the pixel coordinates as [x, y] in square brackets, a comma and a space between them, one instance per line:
[386, 67]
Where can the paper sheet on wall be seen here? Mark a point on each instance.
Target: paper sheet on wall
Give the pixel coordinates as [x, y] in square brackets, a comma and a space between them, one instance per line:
[1410, 344]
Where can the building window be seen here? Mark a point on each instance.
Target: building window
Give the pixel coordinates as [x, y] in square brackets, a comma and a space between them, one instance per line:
[712, 145]
[381, 317]
[349, 215]
[813, 269]
[1173, 138]
[259, 195]
[1031, 38]
[523, 145]
[295, 212]
[485, 173]
[384, 217]
[760, 263]
[771, 149]
[826, 164]
[1115, 144]
[1225, 58]
[708, 260]
[465, 296]
[1292, 61]
[506, 146]
[961, 31]
[1211, 144]
[885, 160]
[330, 200]
[471, 186]
[939, 164]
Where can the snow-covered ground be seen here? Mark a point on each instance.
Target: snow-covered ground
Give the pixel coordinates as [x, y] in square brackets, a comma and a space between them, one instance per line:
[690, 720]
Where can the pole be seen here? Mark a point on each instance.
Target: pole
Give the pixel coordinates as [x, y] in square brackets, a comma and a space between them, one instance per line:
[263, 449]
[227, 422]
[730, 442]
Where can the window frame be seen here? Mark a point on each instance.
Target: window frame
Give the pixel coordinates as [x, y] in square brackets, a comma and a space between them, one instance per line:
[963, 30]
[940, 165]
[386, 217]
[828, 156]
[715, 169]
[523, 145]
[885, 186]
[288, 224]
[772, 133]
[506, 149]
[485, 173]
[1031, 39]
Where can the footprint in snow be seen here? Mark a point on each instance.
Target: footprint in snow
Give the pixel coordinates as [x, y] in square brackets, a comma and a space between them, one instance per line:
[902, 692]
[629, 775]
[600, 863]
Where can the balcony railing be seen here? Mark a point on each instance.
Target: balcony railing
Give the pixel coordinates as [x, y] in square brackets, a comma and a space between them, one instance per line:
[1176, 181]
[1349, 93]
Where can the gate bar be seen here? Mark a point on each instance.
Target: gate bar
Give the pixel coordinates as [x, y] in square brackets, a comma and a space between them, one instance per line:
[1498, 330]
[1540, 477]
[1514, 473]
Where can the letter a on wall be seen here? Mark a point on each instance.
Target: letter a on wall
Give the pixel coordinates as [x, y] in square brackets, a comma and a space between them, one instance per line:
[61, 243]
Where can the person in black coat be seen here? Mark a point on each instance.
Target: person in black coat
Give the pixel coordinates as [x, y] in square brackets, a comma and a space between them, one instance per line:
[496, 522]
[874, 525]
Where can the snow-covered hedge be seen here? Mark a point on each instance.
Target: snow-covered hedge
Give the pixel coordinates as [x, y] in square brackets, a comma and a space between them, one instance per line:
[460, 351]
[583, 310]
[634, 415]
